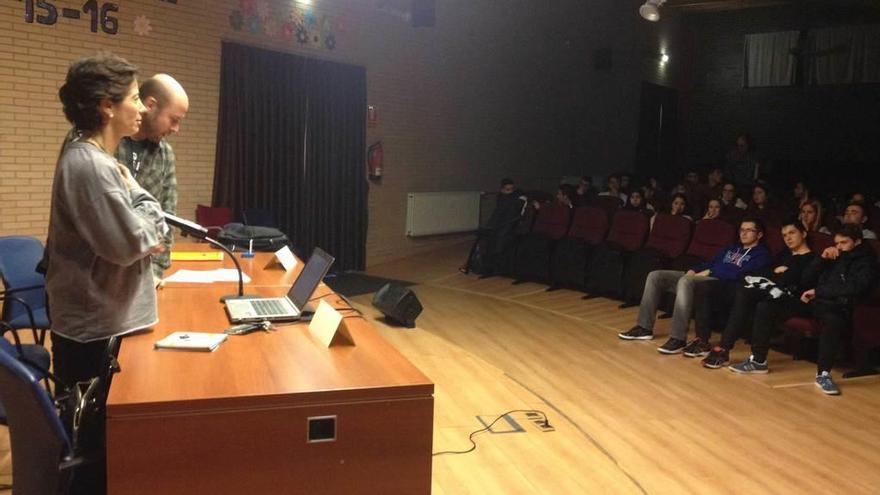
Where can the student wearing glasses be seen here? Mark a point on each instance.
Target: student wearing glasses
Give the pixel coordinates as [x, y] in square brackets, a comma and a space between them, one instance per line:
[788, 276]
[693, 289]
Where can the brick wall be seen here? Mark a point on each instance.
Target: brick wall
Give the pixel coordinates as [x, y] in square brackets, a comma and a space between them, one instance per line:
[495, 89]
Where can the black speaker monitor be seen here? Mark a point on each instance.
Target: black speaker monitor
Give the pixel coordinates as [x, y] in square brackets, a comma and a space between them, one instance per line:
[398, 303]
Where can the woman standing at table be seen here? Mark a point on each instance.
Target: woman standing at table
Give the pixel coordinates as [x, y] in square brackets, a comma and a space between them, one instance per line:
[102, 229]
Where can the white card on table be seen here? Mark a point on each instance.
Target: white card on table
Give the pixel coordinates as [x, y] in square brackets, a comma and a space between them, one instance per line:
[326, 326]
[284, 257]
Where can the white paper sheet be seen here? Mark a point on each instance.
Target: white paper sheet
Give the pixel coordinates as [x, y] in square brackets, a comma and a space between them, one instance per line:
[207, 276]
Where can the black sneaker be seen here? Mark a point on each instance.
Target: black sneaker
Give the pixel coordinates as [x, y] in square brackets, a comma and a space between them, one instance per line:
[717, 358]
[697, 348]
[672, 346]
[637, 333]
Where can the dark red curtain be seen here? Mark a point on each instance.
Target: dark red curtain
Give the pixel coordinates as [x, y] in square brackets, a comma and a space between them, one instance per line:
[291, 139]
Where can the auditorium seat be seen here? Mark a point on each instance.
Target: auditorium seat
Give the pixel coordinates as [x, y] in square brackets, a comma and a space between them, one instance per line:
[866, 337]
[873, 222]
[863, 336]
[608, 203]
[504, 262]
[535, 250]
[213, 218]
[569, 263]
[818, 241]
[710, 236]
[606, 268]
[732, 215]
[668, 239]
[773, 239]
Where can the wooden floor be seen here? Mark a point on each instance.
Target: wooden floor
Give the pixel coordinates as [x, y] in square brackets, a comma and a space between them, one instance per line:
[626, 419]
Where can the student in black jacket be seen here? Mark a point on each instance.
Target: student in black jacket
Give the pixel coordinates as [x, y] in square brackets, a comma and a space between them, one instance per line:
[499, 232]
[847, 271]
[788, 276]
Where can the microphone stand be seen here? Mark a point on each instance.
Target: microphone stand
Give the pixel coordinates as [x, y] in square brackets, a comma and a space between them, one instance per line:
[237, 267]
[199, 232]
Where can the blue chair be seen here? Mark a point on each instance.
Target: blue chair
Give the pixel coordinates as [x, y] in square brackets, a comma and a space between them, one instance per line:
[43, 458]
[34, 356]
[24, 297]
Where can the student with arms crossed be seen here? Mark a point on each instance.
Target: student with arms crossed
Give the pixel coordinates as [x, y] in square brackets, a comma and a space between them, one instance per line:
[847, 271]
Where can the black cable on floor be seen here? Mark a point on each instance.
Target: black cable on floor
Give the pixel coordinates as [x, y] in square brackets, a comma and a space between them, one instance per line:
[489, 427]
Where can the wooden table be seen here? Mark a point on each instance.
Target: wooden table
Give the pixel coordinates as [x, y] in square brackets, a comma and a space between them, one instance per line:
[235, 421]
[255, 268]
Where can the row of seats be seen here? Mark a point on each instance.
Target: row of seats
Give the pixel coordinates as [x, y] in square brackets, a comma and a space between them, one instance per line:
[609, 252]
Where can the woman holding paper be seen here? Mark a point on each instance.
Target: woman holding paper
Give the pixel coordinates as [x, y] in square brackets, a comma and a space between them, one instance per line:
[102, 229]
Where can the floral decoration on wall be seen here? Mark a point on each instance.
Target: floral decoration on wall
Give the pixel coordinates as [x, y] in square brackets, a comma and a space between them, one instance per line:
[142, 25]
[294, 25]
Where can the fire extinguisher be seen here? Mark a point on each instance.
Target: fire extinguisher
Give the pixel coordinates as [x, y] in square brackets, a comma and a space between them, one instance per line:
[374, 160]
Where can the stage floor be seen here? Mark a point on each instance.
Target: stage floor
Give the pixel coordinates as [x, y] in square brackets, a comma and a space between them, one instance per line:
[627, 419]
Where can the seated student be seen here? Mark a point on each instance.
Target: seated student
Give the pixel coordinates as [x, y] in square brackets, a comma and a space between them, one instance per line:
[858, 197]
[637, 203]
[498, 233]
[801, 194]
[653, 198]
[564, 196]
[855, 214]
[847, 271]
[788, 275]
[625, 183]
[729, 199]
[585, 194]
[713, 209]
[714, 182]
[762, 206]
[613, 189]
[746, 256]
[811, 215]
[678, 206]
[694, 190]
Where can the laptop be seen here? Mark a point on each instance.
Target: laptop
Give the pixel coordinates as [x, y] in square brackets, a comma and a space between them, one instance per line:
[289, 307]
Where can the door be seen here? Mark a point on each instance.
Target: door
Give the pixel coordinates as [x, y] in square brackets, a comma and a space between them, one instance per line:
[658, 133]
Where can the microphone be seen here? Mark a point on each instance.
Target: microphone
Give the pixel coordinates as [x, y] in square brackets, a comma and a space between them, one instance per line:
[185, 226]
[199, 232]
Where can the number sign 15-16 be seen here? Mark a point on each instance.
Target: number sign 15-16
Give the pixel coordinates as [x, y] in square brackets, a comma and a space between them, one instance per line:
[47, 13]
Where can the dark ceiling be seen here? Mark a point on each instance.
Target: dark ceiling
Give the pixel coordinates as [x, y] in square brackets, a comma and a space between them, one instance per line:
[719, 5]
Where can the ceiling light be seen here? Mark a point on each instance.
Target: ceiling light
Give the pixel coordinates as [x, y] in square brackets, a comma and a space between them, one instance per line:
[651, 10]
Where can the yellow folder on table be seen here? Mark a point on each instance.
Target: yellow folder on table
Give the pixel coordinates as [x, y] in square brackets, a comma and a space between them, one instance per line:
[197, 255]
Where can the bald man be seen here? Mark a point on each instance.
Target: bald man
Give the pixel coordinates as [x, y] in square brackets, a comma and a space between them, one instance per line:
[148, 155]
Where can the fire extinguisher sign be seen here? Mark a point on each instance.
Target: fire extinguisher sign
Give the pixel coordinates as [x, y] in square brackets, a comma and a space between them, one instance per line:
[372, 116]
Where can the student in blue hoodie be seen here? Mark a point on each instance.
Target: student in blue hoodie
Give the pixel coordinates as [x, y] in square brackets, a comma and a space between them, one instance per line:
[746, 256]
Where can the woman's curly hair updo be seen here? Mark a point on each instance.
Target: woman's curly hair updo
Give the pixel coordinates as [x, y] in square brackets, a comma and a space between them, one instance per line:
[89, 81]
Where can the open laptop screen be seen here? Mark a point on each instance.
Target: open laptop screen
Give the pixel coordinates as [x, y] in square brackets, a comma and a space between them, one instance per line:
[312, 274]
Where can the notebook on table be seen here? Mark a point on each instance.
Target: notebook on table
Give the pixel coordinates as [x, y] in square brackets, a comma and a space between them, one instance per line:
[192, 341]
[289, 307]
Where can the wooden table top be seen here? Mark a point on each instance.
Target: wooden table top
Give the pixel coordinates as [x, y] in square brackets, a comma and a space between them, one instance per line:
[254, 267]
[279, 368]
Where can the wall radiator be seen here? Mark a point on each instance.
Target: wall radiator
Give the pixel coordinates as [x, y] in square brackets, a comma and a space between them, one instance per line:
[431, 213]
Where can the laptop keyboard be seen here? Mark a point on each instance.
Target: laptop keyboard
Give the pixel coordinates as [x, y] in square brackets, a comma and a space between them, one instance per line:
[268, 307]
